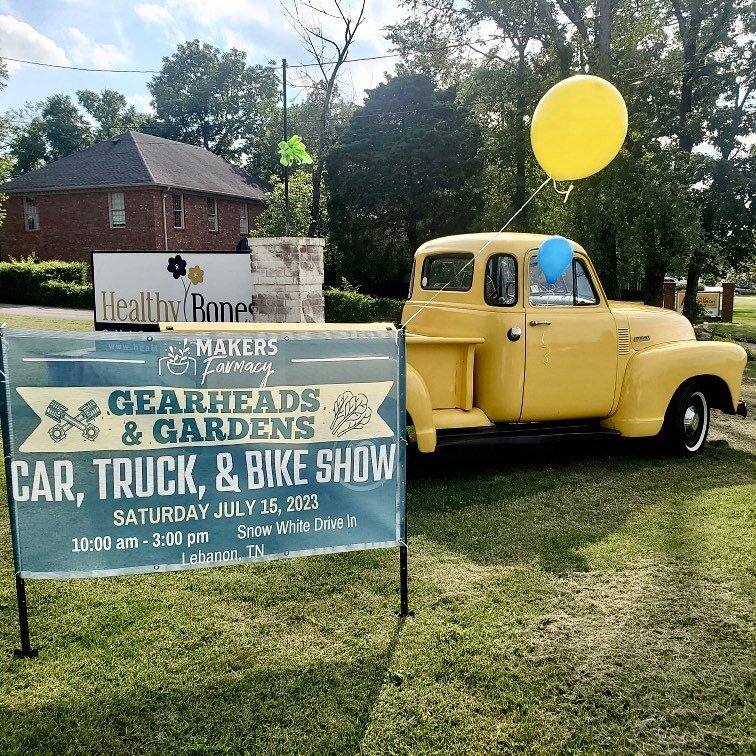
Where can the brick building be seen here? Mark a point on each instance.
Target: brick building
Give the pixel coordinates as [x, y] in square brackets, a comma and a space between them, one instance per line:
[131, 192]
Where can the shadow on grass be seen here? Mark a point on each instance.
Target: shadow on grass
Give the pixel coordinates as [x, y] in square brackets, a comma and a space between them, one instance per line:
[233, 700]
[319, 708]
[518, 504]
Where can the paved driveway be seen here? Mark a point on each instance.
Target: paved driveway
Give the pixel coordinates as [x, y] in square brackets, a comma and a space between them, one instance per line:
[37, 311]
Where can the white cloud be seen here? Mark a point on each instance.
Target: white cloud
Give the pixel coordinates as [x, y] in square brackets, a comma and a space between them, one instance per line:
[151, 13]
[141, 101]
[206, 13]
[20, 40]
[85, 51]
[234, 38]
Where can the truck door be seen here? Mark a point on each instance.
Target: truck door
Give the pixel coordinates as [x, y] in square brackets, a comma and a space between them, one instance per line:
[500, 360]
[571, 346]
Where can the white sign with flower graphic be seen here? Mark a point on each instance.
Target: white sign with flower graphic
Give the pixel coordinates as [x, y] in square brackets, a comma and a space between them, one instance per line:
[138, 290]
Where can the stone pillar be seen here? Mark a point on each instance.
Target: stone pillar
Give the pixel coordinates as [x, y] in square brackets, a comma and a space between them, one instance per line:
[728, 302]
[287, 280]
[669, 295]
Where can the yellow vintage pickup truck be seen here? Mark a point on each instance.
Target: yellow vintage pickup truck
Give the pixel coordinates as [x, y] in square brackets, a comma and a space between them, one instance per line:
[496, 354]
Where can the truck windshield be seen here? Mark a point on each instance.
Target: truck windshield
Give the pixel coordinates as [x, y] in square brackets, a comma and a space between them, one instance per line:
[574, 286]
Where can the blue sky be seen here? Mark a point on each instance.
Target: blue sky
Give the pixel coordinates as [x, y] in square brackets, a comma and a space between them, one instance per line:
[110, 34]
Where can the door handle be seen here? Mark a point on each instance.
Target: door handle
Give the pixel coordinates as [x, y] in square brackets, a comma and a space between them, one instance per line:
[540, 322]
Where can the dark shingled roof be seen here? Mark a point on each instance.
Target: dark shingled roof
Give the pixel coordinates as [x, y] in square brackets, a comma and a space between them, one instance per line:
[136, 159]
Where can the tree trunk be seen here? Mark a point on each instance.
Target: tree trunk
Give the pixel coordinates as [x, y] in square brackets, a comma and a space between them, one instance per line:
[653, 284]
[521, 147]
[685, 134]
[317, 174]
[608, 247]
[691, 285]
[317, 178]
[604, 41]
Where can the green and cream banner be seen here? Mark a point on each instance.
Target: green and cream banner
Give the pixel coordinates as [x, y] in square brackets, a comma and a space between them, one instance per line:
[150, 452]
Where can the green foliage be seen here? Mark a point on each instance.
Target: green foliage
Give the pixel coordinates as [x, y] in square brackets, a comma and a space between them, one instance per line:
[353, 307]
[215, 100]
[272, 221]
[65, 294]
[109, 109]
[695, 312]
[56, 129]
[54, 282]
[293, 150]
[405, 170]
[680, 197]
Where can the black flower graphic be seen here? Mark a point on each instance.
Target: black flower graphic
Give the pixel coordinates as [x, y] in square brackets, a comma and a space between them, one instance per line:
[177, 266]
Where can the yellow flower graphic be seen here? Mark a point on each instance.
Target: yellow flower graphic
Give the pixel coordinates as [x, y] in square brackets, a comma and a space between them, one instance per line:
[196, 275]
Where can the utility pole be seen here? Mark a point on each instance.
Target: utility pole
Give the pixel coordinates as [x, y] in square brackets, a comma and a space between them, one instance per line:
[286, 167]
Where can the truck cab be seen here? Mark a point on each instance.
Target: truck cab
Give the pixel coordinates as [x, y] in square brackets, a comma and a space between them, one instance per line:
[495, 353]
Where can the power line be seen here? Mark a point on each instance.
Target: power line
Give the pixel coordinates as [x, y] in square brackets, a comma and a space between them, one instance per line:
[276, 68]
[78, 68]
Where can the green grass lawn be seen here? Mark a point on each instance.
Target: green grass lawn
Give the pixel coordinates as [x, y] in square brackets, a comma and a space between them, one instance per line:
[744, 320]
[573, 600]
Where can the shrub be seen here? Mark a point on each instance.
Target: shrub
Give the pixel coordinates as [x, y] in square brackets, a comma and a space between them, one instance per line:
[353, 307]
[54, 282]
[65, 294]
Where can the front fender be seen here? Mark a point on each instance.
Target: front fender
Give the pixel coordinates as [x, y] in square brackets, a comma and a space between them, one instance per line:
[419, 407]
[653, 375]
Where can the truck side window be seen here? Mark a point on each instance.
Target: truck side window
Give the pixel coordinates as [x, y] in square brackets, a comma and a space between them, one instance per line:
[585, 292]
[574, 286]
[451, 272]
[501, 281]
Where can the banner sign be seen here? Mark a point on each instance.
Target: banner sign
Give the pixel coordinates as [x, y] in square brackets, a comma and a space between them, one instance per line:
[711, 301]
[134, 290]
[141, 452]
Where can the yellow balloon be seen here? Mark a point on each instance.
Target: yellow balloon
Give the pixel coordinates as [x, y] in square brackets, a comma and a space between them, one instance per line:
[578, 127]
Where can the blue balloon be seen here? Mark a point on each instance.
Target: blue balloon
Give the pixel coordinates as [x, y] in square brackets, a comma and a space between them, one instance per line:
[554, 257]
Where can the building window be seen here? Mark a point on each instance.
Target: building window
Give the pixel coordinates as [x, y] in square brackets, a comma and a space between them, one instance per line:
[117, 210]
[212, 214]
[243, 220]
[178, 210]
[31, 214]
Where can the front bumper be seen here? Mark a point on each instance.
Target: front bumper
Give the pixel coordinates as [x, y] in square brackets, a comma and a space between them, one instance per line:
[742, 409]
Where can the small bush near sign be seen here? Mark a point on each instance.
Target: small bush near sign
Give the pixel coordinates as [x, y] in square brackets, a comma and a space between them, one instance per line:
[353, 307]
[54, 282]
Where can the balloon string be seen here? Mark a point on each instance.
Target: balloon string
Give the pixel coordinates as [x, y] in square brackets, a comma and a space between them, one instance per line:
[566, 192]
[477, 254]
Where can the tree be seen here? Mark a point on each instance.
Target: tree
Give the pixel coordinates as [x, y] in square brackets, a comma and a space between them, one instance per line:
[216, 101]
[272, 221]
[403, 171]
[329, 53]
[109, 109]
[705, 31]
[56, 129]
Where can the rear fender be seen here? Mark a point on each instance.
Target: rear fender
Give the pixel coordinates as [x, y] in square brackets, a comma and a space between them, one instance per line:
[653, 375]
[420, 410]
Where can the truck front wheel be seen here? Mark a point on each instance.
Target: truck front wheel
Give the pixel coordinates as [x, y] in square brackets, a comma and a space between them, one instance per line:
[686, 424]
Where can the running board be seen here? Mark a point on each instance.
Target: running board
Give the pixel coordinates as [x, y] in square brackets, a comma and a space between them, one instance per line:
[525, 433]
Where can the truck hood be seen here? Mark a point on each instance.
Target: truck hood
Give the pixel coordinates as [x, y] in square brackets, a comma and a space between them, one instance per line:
[651, 326]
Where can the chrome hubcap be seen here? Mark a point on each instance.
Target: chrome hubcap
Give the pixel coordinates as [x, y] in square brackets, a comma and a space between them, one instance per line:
[692, 420]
